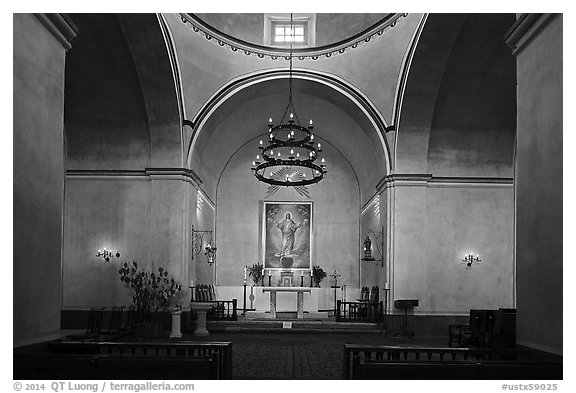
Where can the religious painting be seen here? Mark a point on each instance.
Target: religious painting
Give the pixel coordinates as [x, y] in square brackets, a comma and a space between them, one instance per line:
[287, 235]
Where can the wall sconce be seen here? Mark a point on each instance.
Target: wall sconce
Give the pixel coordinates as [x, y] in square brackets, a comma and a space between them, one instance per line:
[378, 235]
[106, 254]
[198, 241]
[210, 252]
[469, 259]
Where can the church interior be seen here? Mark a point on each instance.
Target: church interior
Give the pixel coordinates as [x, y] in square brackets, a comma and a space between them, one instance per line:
[351, 182]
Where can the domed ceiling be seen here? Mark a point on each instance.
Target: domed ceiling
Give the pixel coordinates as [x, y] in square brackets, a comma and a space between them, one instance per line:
[330, 28]
[325, 33]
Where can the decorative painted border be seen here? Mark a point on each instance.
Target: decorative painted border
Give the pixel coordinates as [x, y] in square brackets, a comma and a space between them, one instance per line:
[235, 44]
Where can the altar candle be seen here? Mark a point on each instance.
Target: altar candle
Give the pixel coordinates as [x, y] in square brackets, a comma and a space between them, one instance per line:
[191, 283]
[244, 273]
[301, 273]
[269, 273]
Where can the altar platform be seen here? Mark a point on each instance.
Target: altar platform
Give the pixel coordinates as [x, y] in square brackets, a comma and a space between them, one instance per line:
[287, 322]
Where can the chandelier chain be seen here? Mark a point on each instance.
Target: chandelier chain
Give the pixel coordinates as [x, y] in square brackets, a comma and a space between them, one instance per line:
[290, 59]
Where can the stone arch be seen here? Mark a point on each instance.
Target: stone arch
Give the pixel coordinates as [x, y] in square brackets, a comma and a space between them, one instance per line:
[338, 85]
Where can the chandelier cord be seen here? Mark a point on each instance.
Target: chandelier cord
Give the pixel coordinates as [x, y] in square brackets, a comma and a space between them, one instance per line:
[290, 102]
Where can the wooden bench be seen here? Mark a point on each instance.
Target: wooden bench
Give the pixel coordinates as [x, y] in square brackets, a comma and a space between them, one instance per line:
[462, 370]
[389, 362]
[224, 309]
[486, 329]
[54, 366]
[220, 352]
[374, 369]
[154, 368]
[368, 308]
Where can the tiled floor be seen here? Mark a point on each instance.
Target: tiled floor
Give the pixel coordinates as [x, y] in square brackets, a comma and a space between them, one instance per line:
[291, 355]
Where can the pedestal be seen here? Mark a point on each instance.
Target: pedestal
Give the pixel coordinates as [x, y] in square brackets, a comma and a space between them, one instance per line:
[176, 316]
[300, 305]
[273, 304]
[201, 309]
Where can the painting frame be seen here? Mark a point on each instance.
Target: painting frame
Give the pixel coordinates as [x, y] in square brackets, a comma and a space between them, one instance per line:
[278, 251]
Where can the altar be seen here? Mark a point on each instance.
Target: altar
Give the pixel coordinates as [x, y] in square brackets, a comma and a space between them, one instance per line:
[299, 298]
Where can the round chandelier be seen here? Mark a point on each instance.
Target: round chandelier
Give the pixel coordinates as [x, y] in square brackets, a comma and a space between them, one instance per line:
[289, 156]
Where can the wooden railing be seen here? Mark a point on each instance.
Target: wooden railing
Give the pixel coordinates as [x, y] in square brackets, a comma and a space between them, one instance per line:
[359, 311]
[224, 310]
[387, 362]
[221, 352]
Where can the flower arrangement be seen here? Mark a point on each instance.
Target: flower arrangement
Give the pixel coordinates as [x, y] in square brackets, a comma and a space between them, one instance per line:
[318, 274]
[151, 291]
[256, 271]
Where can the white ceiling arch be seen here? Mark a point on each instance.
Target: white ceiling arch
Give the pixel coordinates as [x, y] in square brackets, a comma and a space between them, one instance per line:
[342, 88]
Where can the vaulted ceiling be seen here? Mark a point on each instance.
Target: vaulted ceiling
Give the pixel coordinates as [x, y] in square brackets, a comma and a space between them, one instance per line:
[433, 94]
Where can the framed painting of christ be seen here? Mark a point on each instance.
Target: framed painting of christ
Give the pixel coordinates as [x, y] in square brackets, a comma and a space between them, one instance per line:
[287, 235]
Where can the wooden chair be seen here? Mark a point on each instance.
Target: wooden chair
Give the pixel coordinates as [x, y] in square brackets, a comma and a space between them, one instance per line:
[223, 310]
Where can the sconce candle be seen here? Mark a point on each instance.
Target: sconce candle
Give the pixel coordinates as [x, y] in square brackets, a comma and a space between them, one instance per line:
[469, 259]
[106, 254]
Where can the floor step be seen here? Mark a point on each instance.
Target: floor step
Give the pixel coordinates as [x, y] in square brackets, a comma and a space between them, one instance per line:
[293, 325]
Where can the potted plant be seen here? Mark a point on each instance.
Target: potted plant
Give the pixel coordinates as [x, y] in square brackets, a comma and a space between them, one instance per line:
[318, 274]
[153, 293]
[256, 271]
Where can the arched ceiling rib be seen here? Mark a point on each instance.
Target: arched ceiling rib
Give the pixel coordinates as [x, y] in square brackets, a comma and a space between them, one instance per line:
[244, 116]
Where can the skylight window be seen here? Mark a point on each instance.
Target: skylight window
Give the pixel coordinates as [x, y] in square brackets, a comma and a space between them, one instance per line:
[284, 34]
[279, 32]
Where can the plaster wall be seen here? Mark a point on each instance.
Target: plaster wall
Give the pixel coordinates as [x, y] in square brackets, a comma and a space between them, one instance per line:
[434, 227]
[38, 181]
[539, 190]
[139, 217]
[335, 226]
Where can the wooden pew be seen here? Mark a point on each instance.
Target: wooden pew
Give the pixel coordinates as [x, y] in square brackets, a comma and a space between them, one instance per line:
[52, 366]
[391, 370]
[221, 352]
[390, 362]
[158, 367]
